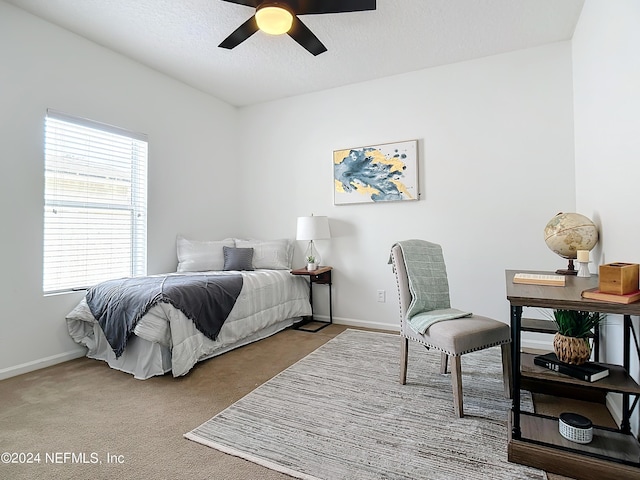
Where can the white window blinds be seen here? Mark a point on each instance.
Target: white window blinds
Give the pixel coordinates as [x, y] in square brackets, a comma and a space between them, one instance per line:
[95, 203]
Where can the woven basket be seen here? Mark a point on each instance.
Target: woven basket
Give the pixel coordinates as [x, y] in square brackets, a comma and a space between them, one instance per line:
[571, 350]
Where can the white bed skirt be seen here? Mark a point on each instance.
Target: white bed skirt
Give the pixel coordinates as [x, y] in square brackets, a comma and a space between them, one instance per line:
[144, 359]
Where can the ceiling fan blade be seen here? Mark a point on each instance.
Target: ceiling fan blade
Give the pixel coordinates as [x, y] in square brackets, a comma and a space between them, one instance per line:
[248, 3]
[310, 7]
[240, 34]
[305, 37]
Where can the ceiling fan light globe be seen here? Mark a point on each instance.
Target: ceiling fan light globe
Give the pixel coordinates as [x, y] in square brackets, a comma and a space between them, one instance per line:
[274, 19]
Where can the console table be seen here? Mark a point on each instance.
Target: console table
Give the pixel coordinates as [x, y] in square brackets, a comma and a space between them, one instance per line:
[534, 439]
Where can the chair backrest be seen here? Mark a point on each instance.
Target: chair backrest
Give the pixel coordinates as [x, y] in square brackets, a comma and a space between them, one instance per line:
[402, 281]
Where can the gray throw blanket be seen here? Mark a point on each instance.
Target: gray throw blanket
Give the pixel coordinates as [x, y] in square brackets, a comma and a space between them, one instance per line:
[428, 285]
[207, 300]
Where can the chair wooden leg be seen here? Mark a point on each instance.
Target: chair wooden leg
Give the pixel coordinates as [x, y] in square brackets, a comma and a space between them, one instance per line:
[404, 350]
[443, 362]
[456, 382]
[507, 369]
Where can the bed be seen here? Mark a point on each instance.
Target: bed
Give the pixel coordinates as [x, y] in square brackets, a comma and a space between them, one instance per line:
[165, 339]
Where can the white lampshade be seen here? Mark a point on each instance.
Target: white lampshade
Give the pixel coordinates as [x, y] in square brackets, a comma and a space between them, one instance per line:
[313, 228]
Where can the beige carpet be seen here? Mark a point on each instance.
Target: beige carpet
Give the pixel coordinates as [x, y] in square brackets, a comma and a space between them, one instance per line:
[83, 406]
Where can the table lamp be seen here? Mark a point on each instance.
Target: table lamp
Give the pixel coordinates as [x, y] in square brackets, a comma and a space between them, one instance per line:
[312, 228]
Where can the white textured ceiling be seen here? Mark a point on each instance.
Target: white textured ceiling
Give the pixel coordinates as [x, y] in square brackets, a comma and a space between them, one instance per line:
[180, 38]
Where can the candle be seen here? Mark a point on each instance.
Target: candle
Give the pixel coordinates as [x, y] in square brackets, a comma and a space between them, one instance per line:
[583, 255]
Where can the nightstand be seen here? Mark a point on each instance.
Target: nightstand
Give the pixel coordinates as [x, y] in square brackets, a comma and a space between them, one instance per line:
[322, 276]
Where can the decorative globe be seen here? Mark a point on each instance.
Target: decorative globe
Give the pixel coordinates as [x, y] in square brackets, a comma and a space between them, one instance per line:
[566, 233]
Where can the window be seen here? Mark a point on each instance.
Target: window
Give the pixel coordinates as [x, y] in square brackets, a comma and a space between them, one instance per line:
[95, 203]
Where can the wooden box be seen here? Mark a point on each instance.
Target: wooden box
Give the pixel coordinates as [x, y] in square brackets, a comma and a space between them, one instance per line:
[618, 278]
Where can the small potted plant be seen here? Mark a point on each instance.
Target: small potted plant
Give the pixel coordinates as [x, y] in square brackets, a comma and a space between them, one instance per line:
[571, 343]
[311, 262]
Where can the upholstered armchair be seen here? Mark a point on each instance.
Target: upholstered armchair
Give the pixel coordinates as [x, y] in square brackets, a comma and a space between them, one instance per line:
[450, 331]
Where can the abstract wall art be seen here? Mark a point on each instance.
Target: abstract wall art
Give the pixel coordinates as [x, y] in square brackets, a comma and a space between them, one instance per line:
[377, 173]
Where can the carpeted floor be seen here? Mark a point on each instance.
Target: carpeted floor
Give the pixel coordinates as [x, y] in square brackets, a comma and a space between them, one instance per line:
[340, 413]
[84, 407]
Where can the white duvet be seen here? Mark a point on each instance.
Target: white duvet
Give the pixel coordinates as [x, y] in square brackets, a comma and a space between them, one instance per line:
[165, 339]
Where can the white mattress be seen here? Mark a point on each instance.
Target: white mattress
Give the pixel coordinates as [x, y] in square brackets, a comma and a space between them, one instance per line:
[166, 340]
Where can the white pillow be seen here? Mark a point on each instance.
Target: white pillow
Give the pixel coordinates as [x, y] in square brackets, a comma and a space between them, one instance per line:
[201, 255]
[271, 254]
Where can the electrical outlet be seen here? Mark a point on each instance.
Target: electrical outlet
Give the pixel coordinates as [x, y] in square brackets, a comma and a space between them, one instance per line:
[382, 296]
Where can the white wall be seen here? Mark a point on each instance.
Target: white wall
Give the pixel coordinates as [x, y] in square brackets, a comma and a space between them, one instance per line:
[606, 69]
[496, 163]
[192, 139]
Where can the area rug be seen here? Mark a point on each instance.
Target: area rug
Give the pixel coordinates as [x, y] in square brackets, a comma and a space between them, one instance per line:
[341, 413]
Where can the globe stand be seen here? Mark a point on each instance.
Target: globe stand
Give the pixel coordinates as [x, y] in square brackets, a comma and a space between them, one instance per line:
[570, 269]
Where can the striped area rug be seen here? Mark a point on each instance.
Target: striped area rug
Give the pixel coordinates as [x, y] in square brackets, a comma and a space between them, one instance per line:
[340, 413]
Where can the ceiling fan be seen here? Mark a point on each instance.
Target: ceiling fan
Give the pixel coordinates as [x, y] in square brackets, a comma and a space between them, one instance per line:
[278, 17]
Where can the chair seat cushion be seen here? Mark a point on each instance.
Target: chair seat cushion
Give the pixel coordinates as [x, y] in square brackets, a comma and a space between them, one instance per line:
[461, 335]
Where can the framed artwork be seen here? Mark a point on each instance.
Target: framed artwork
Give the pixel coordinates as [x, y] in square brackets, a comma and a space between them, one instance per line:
[377, 173]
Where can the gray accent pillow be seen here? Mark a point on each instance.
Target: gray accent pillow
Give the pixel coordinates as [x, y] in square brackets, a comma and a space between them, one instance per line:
[237, 258]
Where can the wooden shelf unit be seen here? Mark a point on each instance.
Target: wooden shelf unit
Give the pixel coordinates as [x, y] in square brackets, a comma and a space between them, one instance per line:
[610, 455]
[534, 439]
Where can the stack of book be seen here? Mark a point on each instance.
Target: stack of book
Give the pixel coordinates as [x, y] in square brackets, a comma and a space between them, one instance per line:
[589, 371]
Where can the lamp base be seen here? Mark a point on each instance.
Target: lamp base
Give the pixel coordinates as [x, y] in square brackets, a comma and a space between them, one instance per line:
[311, 255]
[569, 271]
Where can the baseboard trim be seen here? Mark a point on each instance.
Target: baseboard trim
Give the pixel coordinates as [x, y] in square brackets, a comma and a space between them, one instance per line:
[614, 407]
[536, 344]
[351, 322]
[41, 363]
